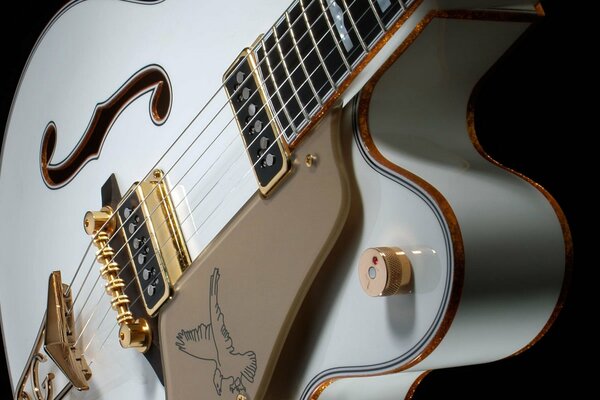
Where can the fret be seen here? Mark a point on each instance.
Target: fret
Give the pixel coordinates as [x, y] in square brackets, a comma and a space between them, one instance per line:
[384, 4]
[337, 44]
[366, 23]
[337, 14]
[312, 49]
[351, 19]
[316, 47]
[296, 92]
[302, 64]
[287, 72]
[347, 32]
[327, 41]
[277, 91]
[379, 21]
[389, 11]
[295, 68]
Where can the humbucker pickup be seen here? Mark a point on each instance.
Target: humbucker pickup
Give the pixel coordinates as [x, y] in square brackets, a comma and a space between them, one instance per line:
[154, 241]
[262, 137]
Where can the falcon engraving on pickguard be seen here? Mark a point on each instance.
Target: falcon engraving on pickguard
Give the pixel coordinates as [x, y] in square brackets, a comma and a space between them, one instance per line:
[212, 342]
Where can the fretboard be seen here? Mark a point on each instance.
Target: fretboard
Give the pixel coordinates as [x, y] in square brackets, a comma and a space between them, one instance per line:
[313, 48]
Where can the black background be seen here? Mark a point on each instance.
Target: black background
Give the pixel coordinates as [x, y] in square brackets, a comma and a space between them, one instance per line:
[529, 117]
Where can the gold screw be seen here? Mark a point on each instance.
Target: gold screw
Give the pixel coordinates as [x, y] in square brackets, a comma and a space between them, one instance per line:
[241, 397]
[157, 173]
[309, 160]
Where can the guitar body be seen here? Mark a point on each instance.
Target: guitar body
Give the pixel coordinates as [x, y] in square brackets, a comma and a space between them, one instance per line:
[400, 152]
[272, 306]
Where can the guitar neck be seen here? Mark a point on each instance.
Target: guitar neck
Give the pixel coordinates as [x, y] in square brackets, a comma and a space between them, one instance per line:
[314, 48]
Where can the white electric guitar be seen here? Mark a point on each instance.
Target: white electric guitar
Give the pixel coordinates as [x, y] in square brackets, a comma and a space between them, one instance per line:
[253, 200]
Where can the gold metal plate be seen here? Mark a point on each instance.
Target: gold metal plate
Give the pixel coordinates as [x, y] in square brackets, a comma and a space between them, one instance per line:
[59, 338]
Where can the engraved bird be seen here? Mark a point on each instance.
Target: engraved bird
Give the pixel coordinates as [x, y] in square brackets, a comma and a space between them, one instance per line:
[212, 342]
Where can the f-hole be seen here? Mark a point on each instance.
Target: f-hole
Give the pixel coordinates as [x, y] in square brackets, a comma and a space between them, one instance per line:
[150, 78]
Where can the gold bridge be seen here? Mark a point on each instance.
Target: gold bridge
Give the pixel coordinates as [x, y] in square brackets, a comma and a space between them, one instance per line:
[57, 335]
[133, 333]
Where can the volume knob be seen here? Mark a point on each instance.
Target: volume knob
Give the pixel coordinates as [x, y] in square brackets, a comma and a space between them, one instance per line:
[384, 271]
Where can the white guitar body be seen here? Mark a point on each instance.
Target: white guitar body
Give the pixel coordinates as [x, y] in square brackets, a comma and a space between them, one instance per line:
[487, 247]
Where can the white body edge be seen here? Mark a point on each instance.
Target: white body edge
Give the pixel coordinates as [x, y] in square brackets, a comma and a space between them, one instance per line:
[67, 75]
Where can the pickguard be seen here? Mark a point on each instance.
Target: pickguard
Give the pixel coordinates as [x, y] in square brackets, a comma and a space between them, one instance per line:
[151, 78]
[221, 337]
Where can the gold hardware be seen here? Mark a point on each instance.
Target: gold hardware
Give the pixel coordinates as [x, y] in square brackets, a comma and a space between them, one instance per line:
[115, 285]
[47, 383]
[166, 238]
[162, 223]
[96, 220]
[247, 55]
[384, 271]
[31, 371]
[110, 272]
[310, 160]
[135, 335]
[241, 397]
[59, 337]
[57, 334]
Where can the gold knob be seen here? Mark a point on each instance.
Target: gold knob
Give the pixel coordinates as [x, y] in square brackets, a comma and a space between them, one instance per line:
[384, 271]
[136, 335]
[93, 221]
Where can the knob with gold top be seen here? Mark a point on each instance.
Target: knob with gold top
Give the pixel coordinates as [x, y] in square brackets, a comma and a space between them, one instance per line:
[384, 271]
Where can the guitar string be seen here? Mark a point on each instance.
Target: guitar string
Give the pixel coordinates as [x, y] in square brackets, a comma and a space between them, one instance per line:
[196, 231]
[235, 187]
[238, 181]
[178, 138]
[143, 200]
[139, 296]
[172, 145]
[200, 201]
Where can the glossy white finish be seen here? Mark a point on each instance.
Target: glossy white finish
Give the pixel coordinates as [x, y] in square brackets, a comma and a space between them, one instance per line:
[514, 248]
[89, 51]
[86, 54]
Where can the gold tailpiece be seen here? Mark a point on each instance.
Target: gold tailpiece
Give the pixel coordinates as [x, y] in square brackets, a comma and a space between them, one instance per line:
[57, 335]
[59, 341]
